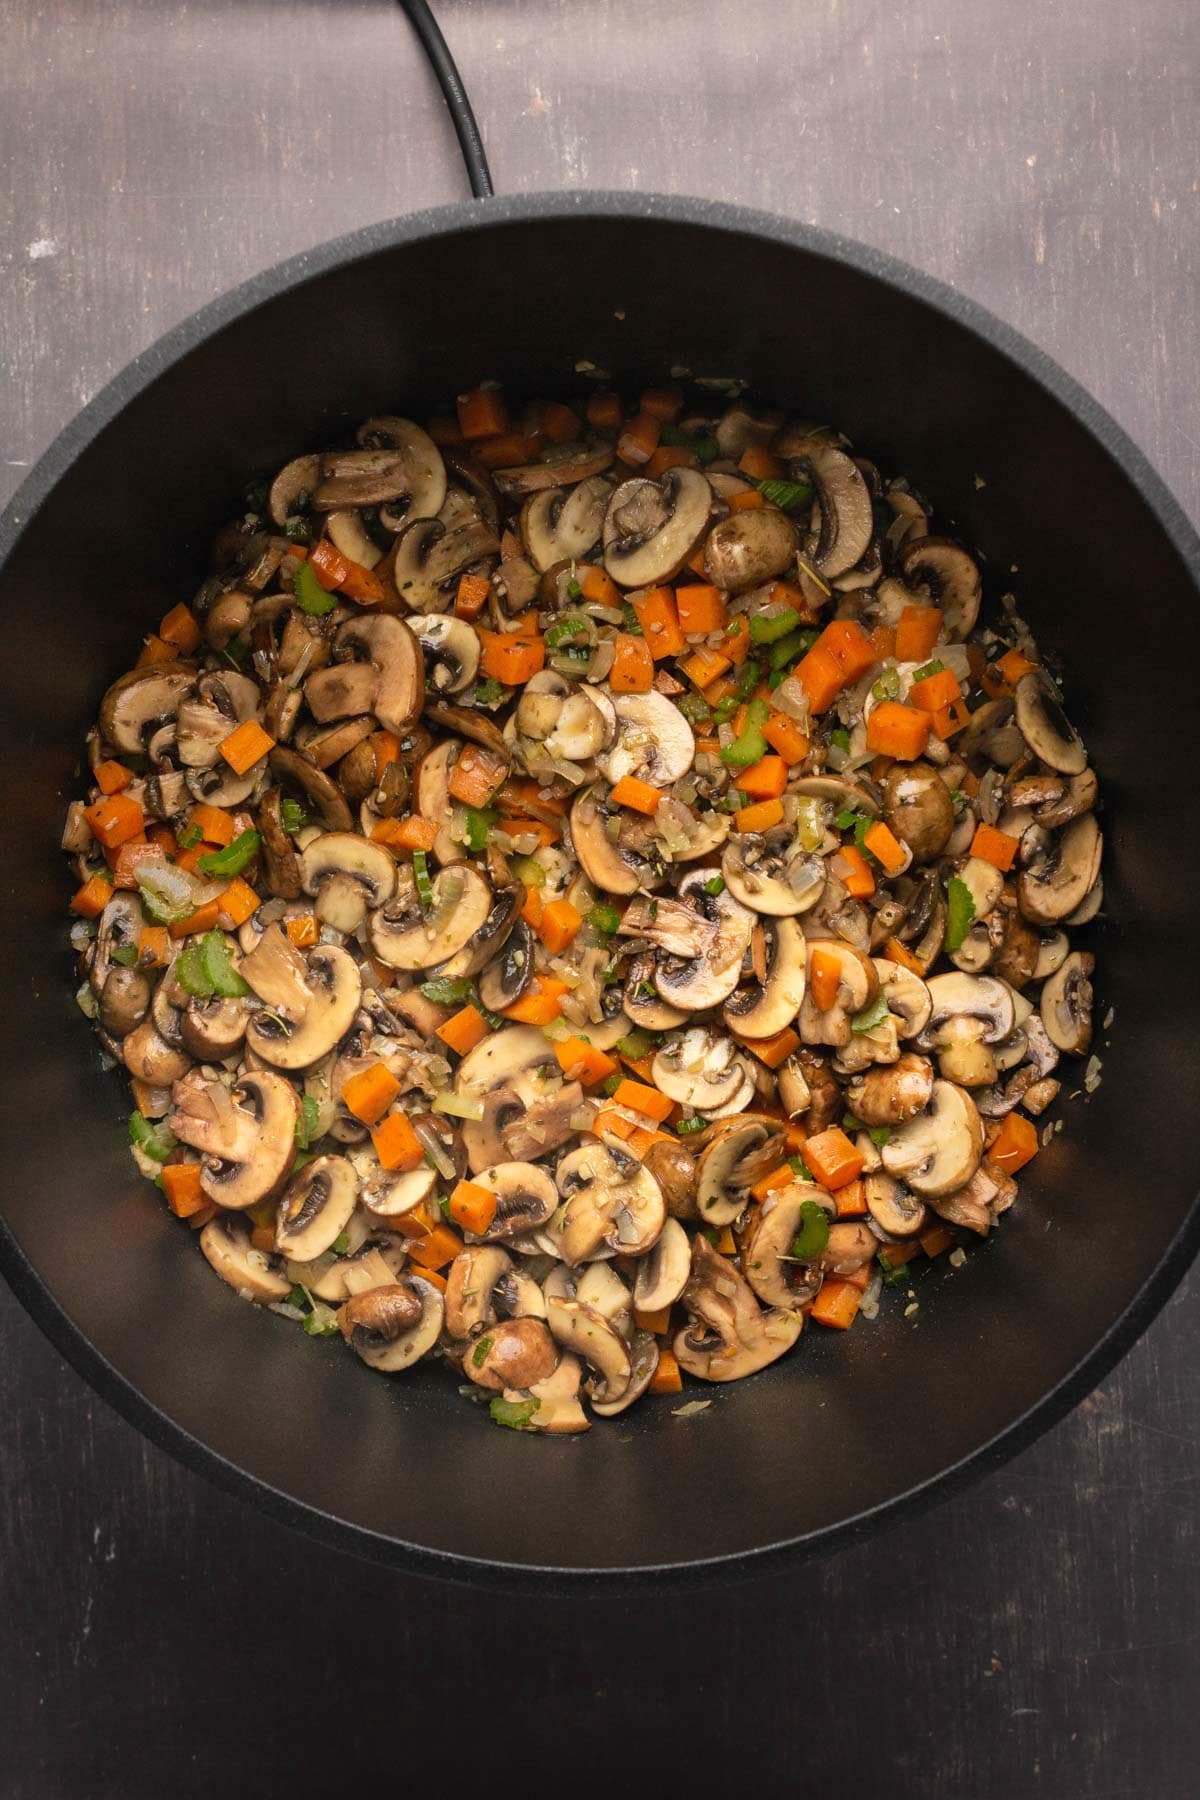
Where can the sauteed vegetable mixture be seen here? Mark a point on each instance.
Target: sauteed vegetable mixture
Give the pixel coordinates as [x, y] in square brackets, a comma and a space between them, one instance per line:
[582, 892]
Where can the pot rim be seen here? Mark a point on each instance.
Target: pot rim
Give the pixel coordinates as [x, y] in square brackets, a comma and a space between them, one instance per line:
[205, 323]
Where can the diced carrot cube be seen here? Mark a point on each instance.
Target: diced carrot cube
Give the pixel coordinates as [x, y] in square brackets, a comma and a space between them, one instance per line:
[246, 746]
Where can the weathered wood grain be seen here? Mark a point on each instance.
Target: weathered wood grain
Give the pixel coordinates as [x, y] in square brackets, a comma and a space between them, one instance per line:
[1033, 1639]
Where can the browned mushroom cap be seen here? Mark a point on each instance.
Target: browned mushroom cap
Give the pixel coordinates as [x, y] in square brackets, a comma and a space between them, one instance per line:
[749, 548]
[584, 1330]
[514, 1353]
[619, 865]
[889, 1094]
[939, 1150]
[737, 1152]
[150, 1058]
[944, 570]
[918, 808]
[213, 1029]
[895, 1211]
[392, 1327]
[674, 1168]
[729, 1335]
[141, 700]
[1045, 726]
[246, 1133]
[398, 663]
[652, 527]
[280, 863]
[1066, 1004]
[525, 1198]
[290, 767]
[563, 469]
[766, 1005]
[124, 1001]
[777, 1276]
[558, 525]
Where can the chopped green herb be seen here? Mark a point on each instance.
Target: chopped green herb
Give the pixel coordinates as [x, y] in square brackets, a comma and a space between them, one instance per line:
[879, 1135]
[321, 1321]
[311, 597]
[610, 1085]
[768, 628]
[894, 1274]
[446, 990]
[747, 678]
[568, 627]
[930, 668]
[789, 496]
[298, 1297]
[813, 1234]
[489, 692]
[604, 918]
[301, 1160]
[686, 1126]
[840, 737]
[479, 1354]
[750, 746]
[695, 709]
[443, 1199]
[154, 1141]
[307, 1120]
[236, 652]
[478, 824]
[725, 709]
[715, 885]
[959, 802]
[215, 960]
[299, 531]
[233, 858]
[799, 1168]
[516, 1414]
[870, 1016]
[293, 815]
[420, 867]
[960, 912]
[852, 1123]
[189, 837]
[125, 954]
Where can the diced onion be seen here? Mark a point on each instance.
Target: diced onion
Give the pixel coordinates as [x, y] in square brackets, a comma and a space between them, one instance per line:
[458, 1106]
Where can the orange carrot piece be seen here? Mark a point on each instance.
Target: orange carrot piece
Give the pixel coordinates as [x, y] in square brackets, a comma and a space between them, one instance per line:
[472, 1207]
[750, 500]
[657, 1322]
[664, 404]
[935, 692]
[821, 678]
[246, 746]
[445, 431]
[1015, 1145]
[509, 451]
[837, 1303]
[583, 1062]
[476, 775]
[833, 1159]
[638, 439]
[396, 1144]
[765, 779]
[560, 923]
[917, 631]
[666, 1378]
[781, 1177]
[632, 670]
[333, 570]
[995, 847]
[114, 820]
[237, 903]
[900, 953]
[896, 730]
[181, 1185]
[659, 620]
[645, 1100]
[542, 1005]
[599, 586]
[885, 847]
[482, 413]
[773, 1050]
[937, 1239]
[850, 647]
[110, 777]
[883, 642]
[760, 817]
[155, 650]
[532, 907]
[756, 463]
[701, 608]
[736, 642]
[472, 595]
[703, 666]
[824, 978]
[785, 736]
[852, 1199]
[896, 1255]
[435, 1277]
[509, 658]
[304, 931]
[152, 946]
[558, 422]
[92, 897]
[1003, 675]
[385, 746]
[203, 919]
[436, 1249]
[216, 825]
[180, 628]
[637, 795]
[537, 828]
[412, 833]
[669, 456]
[854, 871]
[604, 411]
[121, 862]
[370, 1092]
[950, 719]
[466, 1029]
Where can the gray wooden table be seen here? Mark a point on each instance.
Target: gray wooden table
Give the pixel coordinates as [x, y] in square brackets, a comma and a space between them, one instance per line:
[1036, 1636]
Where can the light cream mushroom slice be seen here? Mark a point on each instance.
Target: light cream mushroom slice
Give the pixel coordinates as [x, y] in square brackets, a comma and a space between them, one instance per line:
[729, 1335]
[739, 427]
[1062, 874]
[278, 973]
[391, 1328]
[906, 994]
[985, 884]
[139, 702]
[585, 1332]
[617, 850]
[212, 1030]
[348, 876]
[255, 1275]
[490, 942]
[749, 548]
[431, 795]
[118, 929]
[700, 1068]
[405, 935]
[968, 1014]
[652, 527]
[1045, 726]
[558, 525]
[613, 1205]
[558, 1410]
[772, 877]
[222, 700]
[370, 1263]
[940, 1149]
[525, 1198]
[769, 1263]
[843, 503]
[315, 1208]
[768, 1002]
[425, 492]
[684, 835]
[451, 649]
[558, 723]
[858, 985]
[897, 1213]
[389, 647]
[246, 1134]
[662, 1273]
[654, 741]
[390, 1197]
[335, 993]
[292, 489]
[643, 1361]
[430, 556]
[562, 469]
[699, 938]
[893, 1092]
[510, 1072]
[482, 1284]
[738, 1152]
[1066, 1004]
[349, 535]
[512, 1353]
[949, 576]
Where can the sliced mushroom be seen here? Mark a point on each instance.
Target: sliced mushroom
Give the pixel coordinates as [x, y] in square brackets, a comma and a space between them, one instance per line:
[1060, 876]
[406, 936]
[705, 972]
[255, 1275]
[943, 570]
[391, 1198]
[918, 808]
[349, 877]
[619, 862]
[768, 1261]
[654, 741]
[423, 474]
[587, 1334]
[118, 928]
[782, 881]
[561, 471]
[642, 1002]
[561, 526]
[1066, 1004]
[674, 1168]
[558, 722]
[292, 489]
[525, 1198]
[762, 1008]
[212, 1030]
[652, 527]
[893, 1093]
[335, 985]
[906, 994]
[969, 1013]
[702, 1069]
[613, 1204]
[291, 767]
[730, 1335]
[391, 1328]
[483, 1284]
[1078, 795]
[490, 941]
[430, 556]
[558, 1409]
[897, 1213]
[388, 647]
[514, 1353]
[844, 502]
[246, 1134]
[140, 701]
[985, 884]
[940, 1149]
[507, 1073]
[739, 427]
[738, 1152]
[858, 985]
[749, 548]
[1045, 726]
[341, 690]
[663, 1271]
[451, 650]
[315, 1208]
[373, 1262]
[277, 972]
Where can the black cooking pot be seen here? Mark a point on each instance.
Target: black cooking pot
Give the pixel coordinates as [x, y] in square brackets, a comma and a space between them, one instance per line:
[113, 527]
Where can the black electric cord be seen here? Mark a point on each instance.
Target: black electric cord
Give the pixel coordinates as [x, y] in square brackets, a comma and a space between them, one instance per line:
[457, 103]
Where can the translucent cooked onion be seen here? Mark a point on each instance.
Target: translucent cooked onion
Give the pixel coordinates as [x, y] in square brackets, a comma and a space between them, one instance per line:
[435, 1149]
[457, 1106]
[449, 893]
[173, 887]
[791, 698]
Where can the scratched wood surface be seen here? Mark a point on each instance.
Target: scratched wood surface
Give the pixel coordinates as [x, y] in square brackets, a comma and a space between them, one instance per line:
[1034, 1637]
